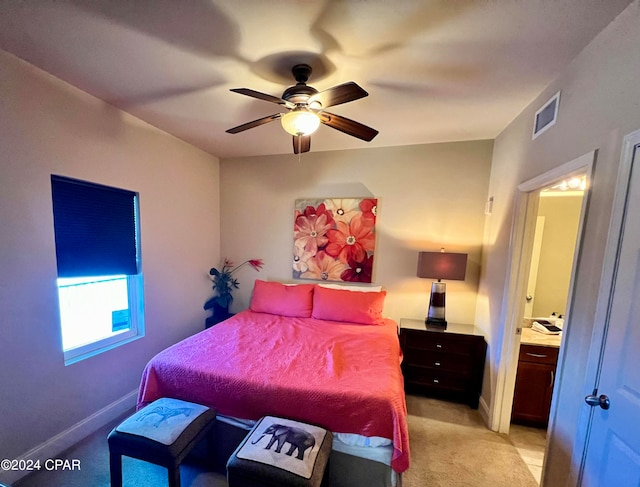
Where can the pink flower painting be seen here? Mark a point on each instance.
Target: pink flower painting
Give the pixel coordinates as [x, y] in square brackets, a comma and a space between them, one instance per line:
[334, 239]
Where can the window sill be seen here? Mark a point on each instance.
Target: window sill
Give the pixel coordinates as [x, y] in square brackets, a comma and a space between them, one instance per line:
[73, 356]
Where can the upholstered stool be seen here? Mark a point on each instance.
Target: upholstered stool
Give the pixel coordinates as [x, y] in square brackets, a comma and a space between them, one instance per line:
[164, 433]
[283, 453]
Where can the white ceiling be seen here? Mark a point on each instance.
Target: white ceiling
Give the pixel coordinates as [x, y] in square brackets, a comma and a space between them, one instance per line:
[435, 70]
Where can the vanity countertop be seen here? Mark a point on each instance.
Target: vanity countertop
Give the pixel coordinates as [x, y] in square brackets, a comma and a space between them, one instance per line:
[532, 337]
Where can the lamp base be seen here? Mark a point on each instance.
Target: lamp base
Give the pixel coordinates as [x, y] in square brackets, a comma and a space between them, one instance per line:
[435, 322]
[436, 313]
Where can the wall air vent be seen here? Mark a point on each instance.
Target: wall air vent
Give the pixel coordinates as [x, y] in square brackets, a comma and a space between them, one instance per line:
[546, 117]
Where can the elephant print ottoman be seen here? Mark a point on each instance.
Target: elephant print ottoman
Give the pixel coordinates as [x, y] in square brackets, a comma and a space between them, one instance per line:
[283, 452]
[164, 433]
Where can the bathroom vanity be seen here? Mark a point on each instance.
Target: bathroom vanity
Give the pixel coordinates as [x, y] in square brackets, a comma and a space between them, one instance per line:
[535, 378]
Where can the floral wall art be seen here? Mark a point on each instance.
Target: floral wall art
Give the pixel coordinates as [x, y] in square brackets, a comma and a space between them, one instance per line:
[334, 239]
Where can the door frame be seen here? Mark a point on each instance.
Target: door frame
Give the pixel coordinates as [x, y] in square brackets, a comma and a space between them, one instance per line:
[603, 307]
[521, 247]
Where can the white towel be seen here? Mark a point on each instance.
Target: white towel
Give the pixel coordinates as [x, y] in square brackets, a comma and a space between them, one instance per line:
[546, 329]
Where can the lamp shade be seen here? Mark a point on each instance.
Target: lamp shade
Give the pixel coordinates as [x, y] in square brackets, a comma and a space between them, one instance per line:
[300, 122]
[442, 265]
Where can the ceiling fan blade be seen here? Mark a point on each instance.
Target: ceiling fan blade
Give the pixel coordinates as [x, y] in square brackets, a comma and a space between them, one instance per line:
[255, 123]
[301, 143]
[348, 126]
[263, 96]
[339, 94]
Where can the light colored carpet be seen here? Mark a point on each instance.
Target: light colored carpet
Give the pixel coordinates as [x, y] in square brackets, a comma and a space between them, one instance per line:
[452, 447]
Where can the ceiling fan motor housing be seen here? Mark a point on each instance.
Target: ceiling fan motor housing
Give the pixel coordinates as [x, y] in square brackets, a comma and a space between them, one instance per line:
[299, 93]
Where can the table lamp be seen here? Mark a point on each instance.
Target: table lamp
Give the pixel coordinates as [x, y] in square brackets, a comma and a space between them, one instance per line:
[440, 265]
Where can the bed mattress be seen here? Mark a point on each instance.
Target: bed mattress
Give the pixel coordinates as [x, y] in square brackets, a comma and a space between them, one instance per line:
[345, 377]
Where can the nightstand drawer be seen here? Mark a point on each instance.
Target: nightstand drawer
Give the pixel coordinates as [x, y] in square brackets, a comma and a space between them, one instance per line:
[439, 342]
[448, 362]
[419, 376]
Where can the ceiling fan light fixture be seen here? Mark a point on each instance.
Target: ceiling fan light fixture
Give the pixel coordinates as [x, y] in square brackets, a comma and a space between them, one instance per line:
[306, 107]
[300, 122]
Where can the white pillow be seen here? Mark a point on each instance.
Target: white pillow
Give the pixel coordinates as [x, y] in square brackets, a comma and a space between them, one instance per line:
[344, 287]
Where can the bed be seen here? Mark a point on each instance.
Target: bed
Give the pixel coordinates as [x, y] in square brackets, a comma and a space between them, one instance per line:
[319, 355]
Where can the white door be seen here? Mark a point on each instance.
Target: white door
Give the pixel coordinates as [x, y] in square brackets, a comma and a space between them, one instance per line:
[535, 263]
[612, 456]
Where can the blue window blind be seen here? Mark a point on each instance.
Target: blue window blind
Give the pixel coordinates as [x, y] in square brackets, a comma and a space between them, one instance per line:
[95, 229]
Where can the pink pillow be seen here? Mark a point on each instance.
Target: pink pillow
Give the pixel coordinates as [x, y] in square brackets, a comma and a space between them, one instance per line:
[277, 299]
[350, 306]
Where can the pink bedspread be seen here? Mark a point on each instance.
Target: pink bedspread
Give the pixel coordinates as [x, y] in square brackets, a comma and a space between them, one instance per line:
[345, 377]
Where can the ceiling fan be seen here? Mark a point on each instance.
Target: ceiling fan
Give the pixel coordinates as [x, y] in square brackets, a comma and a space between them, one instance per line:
[306, 107]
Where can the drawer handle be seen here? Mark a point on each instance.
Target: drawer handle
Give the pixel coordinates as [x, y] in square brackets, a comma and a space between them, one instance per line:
[437, 364]
[537, 355]
[438, 345]
[436, 381]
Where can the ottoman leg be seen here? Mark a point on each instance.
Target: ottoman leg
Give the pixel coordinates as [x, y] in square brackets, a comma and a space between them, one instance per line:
[174, 476]
[325, 479]
[115, 469]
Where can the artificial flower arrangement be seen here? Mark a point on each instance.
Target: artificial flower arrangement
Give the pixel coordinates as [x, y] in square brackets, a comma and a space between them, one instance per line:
[224, 283]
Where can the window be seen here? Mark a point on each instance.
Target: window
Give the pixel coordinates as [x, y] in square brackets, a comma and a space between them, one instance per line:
[98, 257]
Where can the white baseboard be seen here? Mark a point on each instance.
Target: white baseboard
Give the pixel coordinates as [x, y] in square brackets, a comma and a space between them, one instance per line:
[69, 437]
[483, 409]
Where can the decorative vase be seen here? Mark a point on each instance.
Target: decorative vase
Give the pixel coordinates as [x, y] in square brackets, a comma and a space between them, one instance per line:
[220, 313]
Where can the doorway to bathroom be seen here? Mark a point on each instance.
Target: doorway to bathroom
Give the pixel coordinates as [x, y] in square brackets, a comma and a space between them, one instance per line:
[549, 290]
[554, 243]
[553, 253]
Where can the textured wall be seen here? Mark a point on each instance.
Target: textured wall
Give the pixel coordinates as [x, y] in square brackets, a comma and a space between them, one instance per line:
[600, 104]
[48, 127]
[562, 217]
[429, 196]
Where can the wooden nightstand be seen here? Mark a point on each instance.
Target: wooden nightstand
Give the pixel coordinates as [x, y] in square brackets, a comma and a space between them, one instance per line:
[443, 363]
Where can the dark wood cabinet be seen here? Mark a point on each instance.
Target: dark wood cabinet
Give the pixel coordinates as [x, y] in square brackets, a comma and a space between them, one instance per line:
[534, 385]
[443, 363]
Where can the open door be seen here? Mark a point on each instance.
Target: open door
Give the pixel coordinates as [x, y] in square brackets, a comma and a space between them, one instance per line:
[533, 270]
[612, 444]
